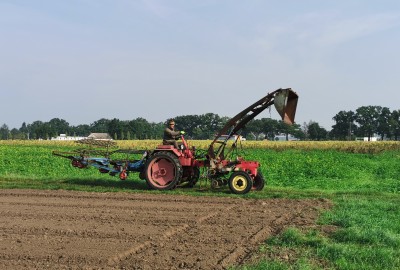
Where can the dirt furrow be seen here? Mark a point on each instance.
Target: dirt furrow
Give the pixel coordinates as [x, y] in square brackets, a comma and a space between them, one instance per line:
[67, 229]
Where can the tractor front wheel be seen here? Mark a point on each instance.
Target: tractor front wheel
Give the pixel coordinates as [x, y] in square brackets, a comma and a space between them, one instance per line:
[240, 182]
[163, 171]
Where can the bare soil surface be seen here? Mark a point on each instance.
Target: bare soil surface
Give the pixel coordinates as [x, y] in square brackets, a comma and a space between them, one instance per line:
[80, 230]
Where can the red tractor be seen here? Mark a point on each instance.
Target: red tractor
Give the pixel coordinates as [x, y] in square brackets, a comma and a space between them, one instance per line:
[166, 166]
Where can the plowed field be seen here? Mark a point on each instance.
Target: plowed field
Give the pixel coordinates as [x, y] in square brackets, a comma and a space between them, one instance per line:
[80, 230]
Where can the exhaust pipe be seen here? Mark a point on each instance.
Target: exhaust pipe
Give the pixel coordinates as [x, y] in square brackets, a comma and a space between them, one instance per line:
[285, 102]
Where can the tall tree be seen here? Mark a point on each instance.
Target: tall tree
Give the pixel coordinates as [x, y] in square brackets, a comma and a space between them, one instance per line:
[383, 127]
[211, 123]
[157, 130]
[58, 126]
[80, 130]
[114, 127]
[16, 134]
[266, 126]
[284, 128]
[100, 126]
[140, 127]
[24, 129]
[316, 133]
[367, 118]
[394, 124]
[200, 126]
[190, 124]
[4, 132]
[345, 126]
[38, 130]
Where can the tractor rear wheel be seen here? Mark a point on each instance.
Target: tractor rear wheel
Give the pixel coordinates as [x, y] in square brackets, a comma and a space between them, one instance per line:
[240, 182]
[258, 182]
[163, 171]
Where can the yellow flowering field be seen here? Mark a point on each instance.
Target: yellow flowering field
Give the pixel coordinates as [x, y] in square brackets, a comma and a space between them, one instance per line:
[346, 146]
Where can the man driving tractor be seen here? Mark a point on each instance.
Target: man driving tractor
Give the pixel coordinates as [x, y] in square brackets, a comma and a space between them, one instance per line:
[171, 135]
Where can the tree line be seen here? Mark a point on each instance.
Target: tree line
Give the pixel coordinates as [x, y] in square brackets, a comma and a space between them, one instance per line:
[366, 121]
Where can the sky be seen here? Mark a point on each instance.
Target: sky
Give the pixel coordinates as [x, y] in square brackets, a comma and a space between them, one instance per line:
[83, 60]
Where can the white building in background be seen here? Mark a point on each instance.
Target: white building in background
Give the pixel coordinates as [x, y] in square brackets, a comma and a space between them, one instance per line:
[371, 139]
[64, 137]
[100, 136]
[282, 137]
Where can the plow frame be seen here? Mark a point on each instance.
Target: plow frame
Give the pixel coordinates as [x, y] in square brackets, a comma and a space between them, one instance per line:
[82, 158]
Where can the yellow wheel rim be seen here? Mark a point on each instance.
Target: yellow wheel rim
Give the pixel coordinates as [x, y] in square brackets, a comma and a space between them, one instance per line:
[239, 183]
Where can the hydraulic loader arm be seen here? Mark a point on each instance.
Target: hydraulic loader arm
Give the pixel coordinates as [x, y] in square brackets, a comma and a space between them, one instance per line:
[285, 101]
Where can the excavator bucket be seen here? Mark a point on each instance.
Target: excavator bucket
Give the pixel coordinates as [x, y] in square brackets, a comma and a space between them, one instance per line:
[285, 102]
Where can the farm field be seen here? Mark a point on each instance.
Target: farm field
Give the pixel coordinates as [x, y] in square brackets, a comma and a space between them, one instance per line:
[327, 205]
[80, 230]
